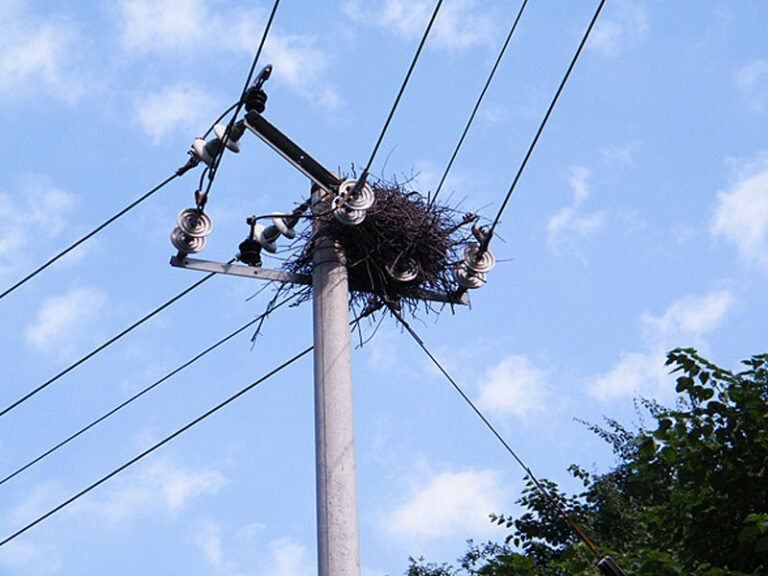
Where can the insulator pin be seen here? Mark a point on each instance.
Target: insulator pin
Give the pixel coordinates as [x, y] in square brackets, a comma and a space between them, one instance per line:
[467, 278]
[186, 244]
[404, 274]
[208, 151]
[349, 207]
[194, 222]
[477, 262]
[250, 252]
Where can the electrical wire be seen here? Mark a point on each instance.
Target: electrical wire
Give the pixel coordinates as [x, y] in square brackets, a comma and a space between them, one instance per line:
[364, 174]
[468, 125]
[98, 229]
[543, 491]
[489, 234]
[270, 309]
[106, 344]
[156, 446]
[219, 119]
[479, 101]
[220, 154]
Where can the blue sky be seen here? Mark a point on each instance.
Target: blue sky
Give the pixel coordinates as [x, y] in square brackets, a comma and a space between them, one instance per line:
[640, 224]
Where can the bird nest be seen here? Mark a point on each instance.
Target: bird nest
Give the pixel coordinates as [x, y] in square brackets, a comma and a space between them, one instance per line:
[405, 249]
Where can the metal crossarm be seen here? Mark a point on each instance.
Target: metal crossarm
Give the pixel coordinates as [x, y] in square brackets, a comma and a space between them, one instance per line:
[282, 276]
[291, 151]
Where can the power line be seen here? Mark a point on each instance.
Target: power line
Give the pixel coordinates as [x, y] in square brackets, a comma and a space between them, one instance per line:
[270, 308]
[487, 239]
[416, 56]
[106, 344]
[220, 154]
[150, 450]
[479, 101]
[191, 164]
[98, 229]
[471, 119]
[556, 506]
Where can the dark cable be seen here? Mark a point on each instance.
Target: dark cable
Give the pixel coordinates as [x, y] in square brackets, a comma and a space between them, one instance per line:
[487, 239]
[469, 123]
[220, 154]
[556, 506]
[270, 308]
[364, 175]
[219, 119]
[479, 102]
[99, 228]
[106, 344]
[149, 451]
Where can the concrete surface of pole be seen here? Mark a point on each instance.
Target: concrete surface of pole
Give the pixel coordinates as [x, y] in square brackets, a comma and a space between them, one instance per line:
[337, 527]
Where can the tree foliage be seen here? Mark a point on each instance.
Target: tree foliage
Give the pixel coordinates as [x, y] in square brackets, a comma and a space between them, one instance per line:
[688, 496]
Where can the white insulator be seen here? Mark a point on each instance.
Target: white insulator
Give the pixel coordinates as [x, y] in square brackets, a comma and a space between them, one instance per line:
[409, 273]
[363, 200]
[194, 222]
[258, 235]
[467, 278]
[186, 244]
[279, 221]
[221, 133]
[477, 262]
[348, 216]
[198, 146]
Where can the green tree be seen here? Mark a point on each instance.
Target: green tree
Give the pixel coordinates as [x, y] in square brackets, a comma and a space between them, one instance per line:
[688, 496]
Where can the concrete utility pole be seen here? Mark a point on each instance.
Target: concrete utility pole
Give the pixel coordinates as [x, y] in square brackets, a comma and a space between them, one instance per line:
[337, 527]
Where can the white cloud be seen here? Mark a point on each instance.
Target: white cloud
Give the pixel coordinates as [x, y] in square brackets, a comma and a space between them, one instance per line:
[25, 555]
[752, 80]
[460, 24]
[635, 373]
[626, 27]
[31, 559]
[234, 553]
[288, 558]
[191, 27]
[620, 156]
[447, 504]
[32, 214]
[62, 319]
[37, 52]
[686, 322]
[688, 317]
[209, 539]
[161, 487]
[301, 65]
[156, 25]
[515, 386]
[571, 225]
[741, 215]
[177, 108]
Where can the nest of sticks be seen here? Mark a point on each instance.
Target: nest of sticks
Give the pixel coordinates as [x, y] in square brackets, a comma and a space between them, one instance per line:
[406, 246]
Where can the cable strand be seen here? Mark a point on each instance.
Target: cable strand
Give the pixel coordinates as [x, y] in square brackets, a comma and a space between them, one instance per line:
[539, 486]
[155, 447]
[270, 308]
[90, 234]
[220, 154]
[106, 344]
[487, 239]
[405, 253]
[364, 175]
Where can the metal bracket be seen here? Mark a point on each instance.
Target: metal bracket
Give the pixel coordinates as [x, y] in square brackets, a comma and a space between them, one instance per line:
[291, 151]
[239, 270]
[270, 275]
